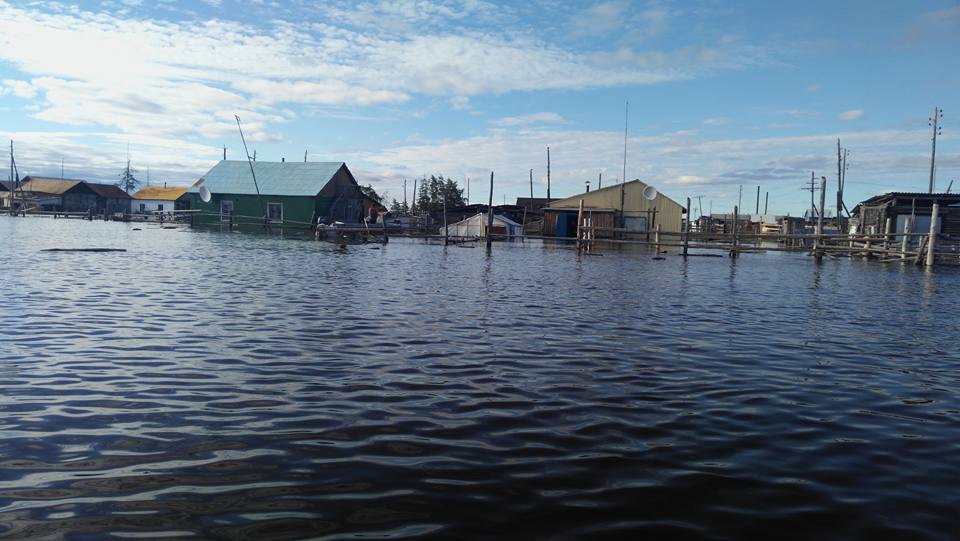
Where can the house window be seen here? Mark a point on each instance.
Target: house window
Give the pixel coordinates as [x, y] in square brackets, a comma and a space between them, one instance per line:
[160, 207]
[143, 207]
[635, 223]
[226, 210]
[275, 212]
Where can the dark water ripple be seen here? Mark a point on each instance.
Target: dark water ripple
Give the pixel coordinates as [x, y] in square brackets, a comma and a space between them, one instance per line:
[231, 386]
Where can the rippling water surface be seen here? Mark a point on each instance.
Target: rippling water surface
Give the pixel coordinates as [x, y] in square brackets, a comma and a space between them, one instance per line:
[233, 386]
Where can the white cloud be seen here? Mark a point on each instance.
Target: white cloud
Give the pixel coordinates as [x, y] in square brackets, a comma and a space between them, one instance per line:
[20, 89]
[187, 78]
[460, 103]
[852, 114]
[682, 164]
[523, 120]
[811, 88]
[719, 121]
[619, 17]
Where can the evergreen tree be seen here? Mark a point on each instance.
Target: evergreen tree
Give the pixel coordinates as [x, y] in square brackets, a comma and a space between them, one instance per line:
[434, 189]
[371, 193]
[128, 182]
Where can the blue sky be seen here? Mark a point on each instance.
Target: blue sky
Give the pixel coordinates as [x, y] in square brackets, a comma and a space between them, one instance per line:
[721, 94]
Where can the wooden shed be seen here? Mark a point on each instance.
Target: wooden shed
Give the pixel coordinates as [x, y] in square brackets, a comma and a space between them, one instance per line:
[872, 214]
[609, 207]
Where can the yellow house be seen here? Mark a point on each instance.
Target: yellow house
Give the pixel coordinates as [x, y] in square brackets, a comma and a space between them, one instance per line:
[604, 208]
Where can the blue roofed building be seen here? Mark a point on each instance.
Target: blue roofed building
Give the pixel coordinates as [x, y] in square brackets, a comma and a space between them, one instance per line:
[291, 193]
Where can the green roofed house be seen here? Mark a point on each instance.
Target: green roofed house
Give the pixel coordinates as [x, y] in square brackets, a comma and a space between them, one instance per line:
[293, 193]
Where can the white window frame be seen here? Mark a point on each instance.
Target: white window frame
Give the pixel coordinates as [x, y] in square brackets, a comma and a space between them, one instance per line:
[274, 205]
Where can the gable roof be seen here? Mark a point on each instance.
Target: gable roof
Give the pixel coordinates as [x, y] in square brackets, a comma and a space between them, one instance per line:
[108, 191]
[630, 186]
[5, 186]
[48, 185]
[160, 193]
[273, 178]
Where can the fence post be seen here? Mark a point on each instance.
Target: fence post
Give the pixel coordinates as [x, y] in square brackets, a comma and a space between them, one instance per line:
[933, 234]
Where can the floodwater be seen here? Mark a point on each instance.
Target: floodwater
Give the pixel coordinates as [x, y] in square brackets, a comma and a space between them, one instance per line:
[208, 385]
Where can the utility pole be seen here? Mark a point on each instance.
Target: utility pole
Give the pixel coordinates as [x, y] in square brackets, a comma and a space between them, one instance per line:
[623, 183]
[839, 181]
[490, 214]
[548, 175]
[758, 200]
[224, 152]
[812, 187]
[12, 187]
[600, 181]
[934, 121]
[531, 188]
[413, 204]
[766, 203]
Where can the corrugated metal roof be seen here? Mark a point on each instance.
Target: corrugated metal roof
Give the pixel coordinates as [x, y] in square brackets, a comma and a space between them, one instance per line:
[108, 191]
[273, 178]
[160, 193]
[50, 186]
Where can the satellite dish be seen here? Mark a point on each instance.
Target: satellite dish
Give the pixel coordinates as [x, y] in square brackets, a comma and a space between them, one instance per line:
[205, 194]
[649, 193]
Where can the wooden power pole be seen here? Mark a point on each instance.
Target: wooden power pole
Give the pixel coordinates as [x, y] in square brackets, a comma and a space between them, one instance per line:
[934, 121]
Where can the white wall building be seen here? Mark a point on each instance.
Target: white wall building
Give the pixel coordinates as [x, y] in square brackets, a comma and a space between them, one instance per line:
[476, 226]
[152, 199]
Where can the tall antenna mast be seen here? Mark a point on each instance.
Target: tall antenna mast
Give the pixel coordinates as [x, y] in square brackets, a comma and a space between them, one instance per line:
[250, 163]
[626, 120]
[934, 121]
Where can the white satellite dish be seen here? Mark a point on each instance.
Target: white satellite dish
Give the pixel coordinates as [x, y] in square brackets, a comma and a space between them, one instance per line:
[649, 193]
[205, 194]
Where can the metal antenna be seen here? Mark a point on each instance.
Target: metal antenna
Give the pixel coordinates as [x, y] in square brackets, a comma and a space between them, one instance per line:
[250, 163]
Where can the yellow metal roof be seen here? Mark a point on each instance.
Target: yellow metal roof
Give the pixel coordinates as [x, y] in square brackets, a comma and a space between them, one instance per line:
[48, 185]
[160, 193]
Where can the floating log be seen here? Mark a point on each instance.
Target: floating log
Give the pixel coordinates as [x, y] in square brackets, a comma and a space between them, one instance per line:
[93, 250]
